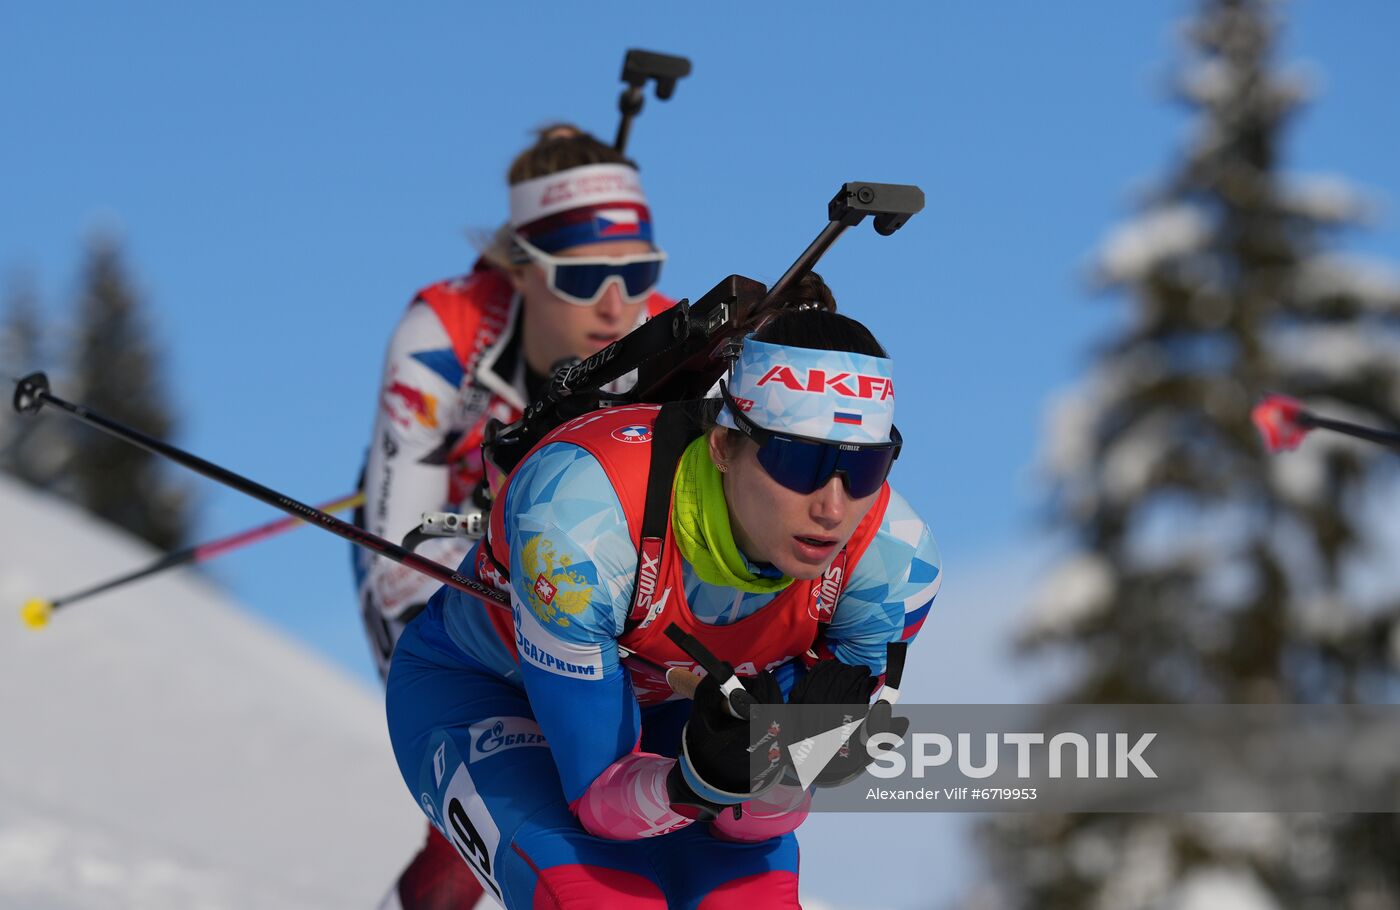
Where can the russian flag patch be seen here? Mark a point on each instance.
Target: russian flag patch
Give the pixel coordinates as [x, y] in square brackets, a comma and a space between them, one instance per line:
[850, 417]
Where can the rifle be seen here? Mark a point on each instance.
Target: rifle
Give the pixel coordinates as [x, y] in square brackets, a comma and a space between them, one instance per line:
[682, 353]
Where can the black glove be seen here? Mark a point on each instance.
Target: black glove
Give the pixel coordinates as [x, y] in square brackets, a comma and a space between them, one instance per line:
[713, 770]
[836, 695]
[831, 682]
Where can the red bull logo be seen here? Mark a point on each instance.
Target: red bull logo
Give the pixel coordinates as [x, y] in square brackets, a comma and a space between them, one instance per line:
[420, 406]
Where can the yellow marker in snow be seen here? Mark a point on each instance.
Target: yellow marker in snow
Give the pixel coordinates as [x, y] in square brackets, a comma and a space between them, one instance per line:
[35, 613]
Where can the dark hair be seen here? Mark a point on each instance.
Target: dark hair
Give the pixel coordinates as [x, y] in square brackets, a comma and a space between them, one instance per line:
[559, 147]
[809, 320]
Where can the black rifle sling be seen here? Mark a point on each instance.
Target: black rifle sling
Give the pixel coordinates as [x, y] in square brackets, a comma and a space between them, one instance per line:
[677, 424]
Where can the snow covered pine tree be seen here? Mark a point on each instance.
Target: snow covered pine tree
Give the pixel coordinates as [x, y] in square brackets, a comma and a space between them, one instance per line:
[118, 373]
[34, 451]
[1204, 569]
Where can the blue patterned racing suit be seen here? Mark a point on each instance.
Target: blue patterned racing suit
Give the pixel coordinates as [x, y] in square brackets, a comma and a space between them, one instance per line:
[530, 751]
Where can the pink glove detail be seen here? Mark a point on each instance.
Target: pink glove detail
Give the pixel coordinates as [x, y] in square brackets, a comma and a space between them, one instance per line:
[628, 800]
[773, 814]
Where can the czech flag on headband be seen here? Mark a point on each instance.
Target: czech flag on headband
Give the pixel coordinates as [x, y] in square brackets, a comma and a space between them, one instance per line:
[590, 224]
[617, 224]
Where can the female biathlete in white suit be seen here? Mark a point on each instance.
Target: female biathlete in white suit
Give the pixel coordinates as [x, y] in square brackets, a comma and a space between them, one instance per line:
[574, 269]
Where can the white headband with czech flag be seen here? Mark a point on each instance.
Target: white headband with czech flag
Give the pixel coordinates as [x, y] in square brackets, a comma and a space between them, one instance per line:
[837, 396]
[587, 204]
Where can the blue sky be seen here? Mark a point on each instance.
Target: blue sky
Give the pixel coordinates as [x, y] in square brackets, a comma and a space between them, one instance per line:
[285, 176]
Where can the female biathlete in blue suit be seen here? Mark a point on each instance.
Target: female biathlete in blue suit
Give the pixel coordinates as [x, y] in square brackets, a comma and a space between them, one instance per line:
[545, 752]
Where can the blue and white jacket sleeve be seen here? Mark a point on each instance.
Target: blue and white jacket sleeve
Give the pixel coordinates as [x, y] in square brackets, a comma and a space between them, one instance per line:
[572, 570]
[890, 591]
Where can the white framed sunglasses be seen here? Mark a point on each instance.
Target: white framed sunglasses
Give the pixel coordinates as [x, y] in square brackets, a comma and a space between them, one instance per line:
[582, 280]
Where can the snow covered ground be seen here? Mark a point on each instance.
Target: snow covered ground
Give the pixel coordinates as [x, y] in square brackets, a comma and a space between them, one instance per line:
[159, 748]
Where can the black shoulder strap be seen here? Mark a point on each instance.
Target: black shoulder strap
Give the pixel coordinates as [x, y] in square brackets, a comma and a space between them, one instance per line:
[677, 424]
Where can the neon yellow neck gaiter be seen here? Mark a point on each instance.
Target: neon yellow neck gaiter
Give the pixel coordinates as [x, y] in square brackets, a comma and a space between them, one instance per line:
[700, 523]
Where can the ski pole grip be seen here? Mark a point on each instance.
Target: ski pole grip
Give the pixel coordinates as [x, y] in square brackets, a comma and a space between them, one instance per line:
[684, 683]
[738, 700]
[30, 393]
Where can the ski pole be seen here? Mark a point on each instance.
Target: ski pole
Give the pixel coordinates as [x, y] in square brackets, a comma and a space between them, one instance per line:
[1283, 422]
[32, 393]
[737, 699]
[36, 612]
